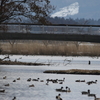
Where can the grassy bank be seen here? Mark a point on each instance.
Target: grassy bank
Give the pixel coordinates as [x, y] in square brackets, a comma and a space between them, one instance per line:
[74, 71]
[20, 63]
[50, 48]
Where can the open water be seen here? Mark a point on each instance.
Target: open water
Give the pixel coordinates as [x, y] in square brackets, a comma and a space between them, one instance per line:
[21, 90]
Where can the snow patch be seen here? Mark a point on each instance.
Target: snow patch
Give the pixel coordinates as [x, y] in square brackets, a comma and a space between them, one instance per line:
[69, 10]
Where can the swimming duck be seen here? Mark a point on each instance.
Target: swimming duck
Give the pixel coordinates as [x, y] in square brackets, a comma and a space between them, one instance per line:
[31, 85]
[18, 78]
[91, 95]
[14, 80]
[77, 81]
[89, 62]
[58, 97]
[47, 83]
[68, 90]
[94, 81]
[41, 80]
[89, 82]
[62, 80]
[29, 79]
[2, 90]
[36, 79]
[4, 77]
[14, 98]
[7, 84]
[85, 92]
[65, 90]
[82, 80]
[96, 98]
[59, 89]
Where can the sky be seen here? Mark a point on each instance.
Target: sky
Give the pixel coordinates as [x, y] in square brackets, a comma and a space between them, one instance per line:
[76, 9]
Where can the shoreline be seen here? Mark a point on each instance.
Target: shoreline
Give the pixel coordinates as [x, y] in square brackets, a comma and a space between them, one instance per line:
[74, 71]
[21, 63]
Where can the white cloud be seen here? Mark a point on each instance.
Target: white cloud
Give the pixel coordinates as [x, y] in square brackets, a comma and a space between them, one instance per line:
[69, 10]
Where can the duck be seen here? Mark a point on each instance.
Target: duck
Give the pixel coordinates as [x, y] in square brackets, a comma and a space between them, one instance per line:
[89, 62]
[64, 90]
[85, 92]
[41, 80]
[47, 83]
[89, 82]
[14, 98]
[18, 78]
[29, 79]
[14, 80]
[55, 81]
[94, 81]
[68, 90]
[77, 81]
[58, 97]
[4, 77]
[82, 80]
[59, 89]
[7, 84]
[31, 85]
[91, 95]
[95, 98]
[62, 80]
[36, 79]
[2, 90]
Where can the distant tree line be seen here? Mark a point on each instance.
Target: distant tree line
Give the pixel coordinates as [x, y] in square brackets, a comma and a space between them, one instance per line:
[83, 21]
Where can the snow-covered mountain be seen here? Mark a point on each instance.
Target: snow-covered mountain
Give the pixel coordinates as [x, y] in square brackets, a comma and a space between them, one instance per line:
[76, 9]
[69, 10]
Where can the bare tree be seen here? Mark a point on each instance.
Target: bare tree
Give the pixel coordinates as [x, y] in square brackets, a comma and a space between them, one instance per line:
[12, 42]
[77, 44]
[35, 10]
[45, 42]
[82, 29]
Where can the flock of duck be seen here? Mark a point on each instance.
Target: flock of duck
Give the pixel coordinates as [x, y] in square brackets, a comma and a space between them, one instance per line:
[59, 81]
[88, 91]
[60, 90]
[89, 82]
[89, 94]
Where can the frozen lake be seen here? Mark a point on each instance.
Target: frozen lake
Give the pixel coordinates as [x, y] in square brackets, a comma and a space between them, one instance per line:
[41, 91]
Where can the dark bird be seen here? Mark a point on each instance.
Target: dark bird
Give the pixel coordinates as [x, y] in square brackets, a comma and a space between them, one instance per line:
[2, 90]
[89, 62]
[36, 79]
[59, 89]
[31, 85]
[14, 98]
[58, 97]
[85, 92]
[29, 79]
[4, 77]
[95, 98]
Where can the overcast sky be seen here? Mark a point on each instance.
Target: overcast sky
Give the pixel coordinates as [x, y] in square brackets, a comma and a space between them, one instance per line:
[77, 8]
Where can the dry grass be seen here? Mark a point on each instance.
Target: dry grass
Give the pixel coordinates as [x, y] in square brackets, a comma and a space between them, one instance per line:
[50, 48]
[74, 71]
[20, 63]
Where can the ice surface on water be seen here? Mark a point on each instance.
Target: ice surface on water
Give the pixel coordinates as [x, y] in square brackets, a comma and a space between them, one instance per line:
[41, 91]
